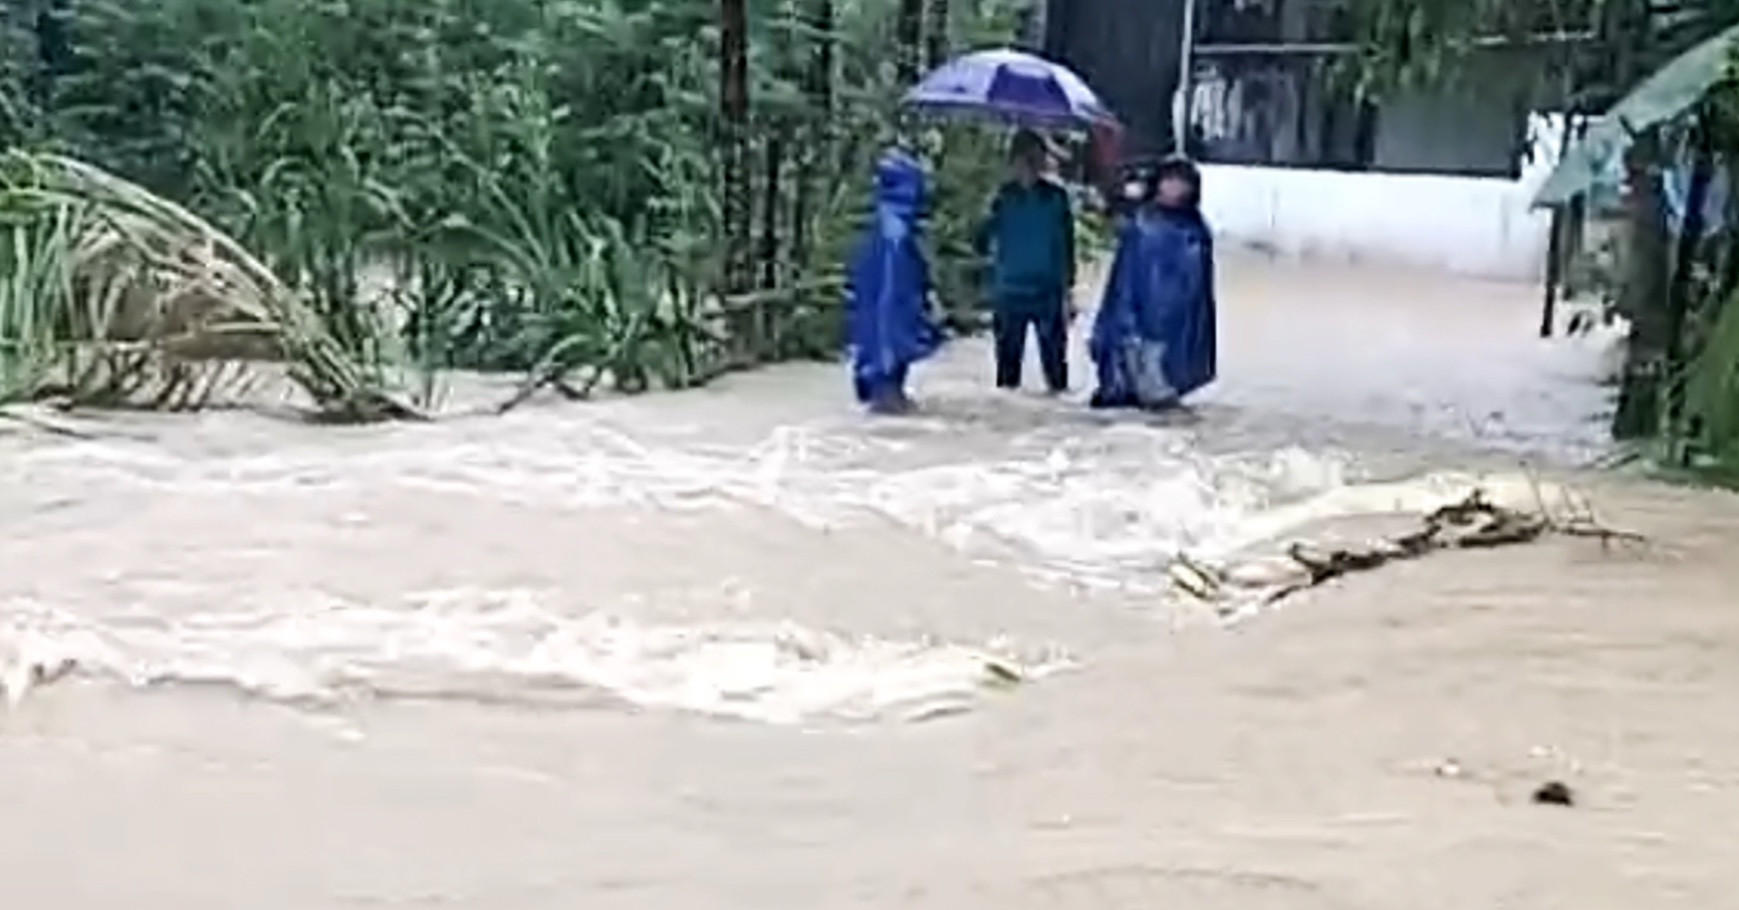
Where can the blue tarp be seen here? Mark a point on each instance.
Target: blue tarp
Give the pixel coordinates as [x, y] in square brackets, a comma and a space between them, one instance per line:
[1676, 191]
[889, 321]
[1154, 338]
[1667, 94]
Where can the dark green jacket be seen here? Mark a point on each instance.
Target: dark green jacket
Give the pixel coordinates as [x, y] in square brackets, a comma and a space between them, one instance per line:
[1030, 238]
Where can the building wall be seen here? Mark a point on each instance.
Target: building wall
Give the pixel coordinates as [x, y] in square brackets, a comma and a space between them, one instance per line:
[1476, 226]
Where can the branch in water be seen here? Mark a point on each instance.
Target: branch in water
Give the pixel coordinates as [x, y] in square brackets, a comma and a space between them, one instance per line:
[1471, 523]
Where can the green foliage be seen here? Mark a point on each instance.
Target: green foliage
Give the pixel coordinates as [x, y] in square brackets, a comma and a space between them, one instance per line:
[1405, 44]
[526, 185]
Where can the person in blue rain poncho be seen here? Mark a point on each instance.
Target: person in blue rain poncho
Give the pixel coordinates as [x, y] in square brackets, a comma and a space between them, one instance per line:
[889, 321]
[1153, 339]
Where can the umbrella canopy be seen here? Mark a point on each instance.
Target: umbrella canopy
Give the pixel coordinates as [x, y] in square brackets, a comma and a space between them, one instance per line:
[1012, 87]
[1668, 93]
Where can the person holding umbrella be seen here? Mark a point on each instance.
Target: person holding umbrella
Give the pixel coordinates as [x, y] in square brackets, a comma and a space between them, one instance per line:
[1029, 235]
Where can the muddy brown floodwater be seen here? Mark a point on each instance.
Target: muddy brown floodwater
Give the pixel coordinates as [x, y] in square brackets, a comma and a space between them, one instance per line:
[728, 649]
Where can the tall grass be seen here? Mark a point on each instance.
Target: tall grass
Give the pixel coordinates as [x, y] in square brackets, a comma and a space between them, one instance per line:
[504, 185]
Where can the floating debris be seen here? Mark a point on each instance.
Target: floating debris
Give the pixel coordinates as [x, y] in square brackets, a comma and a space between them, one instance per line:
[1554, 793]
[1001, 676]
[1472, 522]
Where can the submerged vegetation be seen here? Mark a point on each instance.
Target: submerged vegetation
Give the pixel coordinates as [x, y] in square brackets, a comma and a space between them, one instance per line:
[638, 192]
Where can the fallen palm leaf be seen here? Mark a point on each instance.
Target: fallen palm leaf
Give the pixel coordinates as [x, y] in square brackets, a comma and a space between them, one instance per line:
[112, 291]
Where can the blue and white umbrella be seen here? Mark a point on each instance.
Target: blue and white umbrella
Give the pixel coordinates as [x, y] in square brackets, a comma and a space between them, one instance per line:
[1011, 87]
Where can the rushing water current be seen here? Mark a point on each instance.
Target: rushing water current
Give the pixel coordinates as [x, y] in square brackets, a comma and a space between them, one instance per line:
[207, 551]
[219, 585]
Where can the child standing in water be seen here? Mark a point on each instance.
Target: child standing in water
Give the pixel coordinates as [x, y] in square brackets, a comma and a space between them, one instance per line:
[888, 306]
[1030, 237]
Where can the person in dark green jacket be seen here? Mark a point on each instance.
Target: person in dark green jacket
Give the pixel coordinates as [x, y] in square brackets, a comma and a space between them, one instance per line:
[1030, 238]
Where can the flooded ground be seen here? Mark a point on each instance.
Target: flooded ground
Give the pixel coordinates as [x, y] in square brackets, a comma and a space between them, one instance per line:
[732, 648]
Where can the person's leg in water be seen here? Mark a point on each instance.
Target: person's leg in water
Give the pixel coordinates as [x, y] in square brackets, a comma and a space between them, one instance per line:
[888, 397]
[1115, 385]
[1051, 325]
[1101, 401]
[1105, 399]
[1008, 325]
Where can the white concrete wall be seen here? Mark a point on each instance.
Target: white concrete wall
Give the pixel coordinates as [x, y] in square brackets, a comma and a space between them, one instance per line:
[1473, 226]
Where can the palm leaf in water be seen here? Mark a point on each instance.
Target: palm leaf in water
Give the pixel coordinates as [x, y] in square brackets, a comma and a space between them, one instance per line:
[114, 296]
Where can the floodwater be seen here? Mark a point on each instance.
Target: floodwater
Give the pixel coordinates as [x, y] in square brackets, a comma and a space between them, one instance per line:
[744, 648]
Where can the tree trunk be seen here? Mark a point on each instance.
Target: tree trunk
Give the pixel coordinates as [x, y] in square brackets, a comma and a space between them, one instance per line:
[733, 124]
[1681, 285]
[773, 160]
[908, 35]
[819, 80]
[777, 127]
[817, 128]
[936, 37]
[1641, 296]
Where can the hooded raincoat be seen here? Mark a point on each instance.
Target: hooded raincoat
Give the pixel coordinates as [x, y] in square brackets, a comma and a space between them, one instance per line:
[889, 322]
[1153, 339]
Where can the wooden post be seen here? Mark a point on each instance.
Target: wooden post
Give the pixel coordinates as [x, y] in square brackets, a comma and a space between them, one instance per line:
[1554, 272]
[1576, 218]
[1183, 115]
[1557, 247]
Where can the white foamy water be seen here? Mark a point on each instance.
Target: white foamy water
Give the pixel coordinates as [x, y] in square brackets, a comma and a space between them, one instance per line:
[1105, 512]
[1067, 499]
[506, 647]
[678, 651]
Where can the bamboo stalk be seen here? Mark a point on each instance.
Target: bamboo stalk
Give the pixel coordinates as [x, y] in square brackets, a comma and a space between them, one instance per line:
[773, 161]
[908, 35]
[734, 117]
[818, 146]
[936, 34]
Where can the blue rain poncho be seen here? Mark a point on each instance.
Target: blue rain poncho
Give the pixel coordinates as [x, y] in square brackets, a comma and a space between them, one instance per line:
[1153, 339]
[889, 324]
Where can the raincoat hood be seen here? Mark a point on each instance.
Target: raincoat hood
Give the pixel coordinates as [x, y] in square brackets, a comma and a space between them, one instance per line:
[900, 185]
